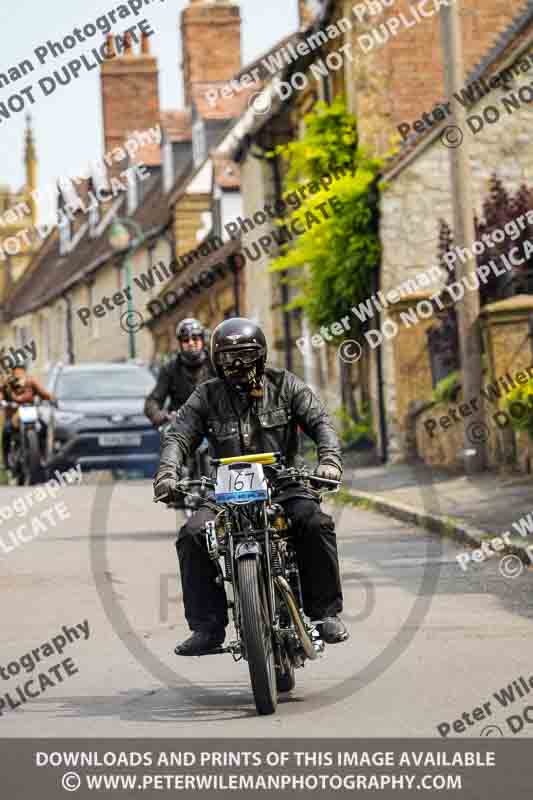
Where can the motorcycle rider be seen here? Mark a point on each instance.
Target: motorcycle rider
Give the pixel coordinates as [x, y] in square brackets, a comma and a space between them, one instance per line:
[19, 388]
[251, 408]
[178, 379]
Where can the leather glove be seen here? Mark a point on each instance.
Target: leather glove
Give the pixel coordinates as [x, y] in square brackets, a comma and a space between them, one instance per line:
[160, 419]
[165, 486]
[328, 471]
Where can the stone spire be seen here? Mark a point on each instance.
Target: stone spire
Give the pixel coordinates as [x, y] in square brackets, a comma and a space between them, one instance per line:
[30, 158]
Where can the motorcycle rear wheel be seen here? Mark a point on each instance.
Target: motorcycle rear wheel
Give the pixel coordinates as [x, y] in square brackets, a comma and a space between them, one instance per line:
[257, 636]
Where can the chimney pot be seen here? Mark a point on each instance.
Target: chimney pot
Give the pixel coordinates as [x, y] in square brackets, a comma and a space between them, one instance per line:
[128, 49]
[145, 43]
[110, 46]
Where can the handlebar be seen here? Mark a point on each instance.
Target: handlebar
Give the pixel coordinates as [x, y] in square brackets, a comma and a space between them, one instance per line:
[303, 474]
[186, 484]
[291, 473]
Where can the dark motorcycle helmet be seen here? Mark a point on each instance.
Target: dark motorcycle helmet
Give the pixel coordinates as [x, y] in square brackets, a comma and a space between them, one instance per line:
[17, 375]
[187, 329]
[239, 352]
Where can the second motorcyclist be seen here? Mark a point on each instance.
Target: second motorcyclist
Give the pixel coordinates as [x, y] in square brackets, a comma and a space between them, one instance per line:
[177, 380]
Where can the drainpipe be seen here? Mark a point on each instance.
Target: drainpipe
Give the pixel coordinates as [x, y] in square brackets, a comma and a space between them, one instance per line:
[236, 287]
[379, 358]
[70, 336]
[284, 288]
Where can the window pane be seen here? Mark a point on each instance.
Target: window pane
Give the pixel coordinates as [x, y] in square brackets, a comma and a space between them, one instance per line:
[98, 384]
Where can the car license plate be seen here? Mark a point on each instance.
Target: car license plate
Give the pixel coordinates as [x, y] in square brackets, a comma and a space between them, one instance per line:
[119, 440]
[240, 483]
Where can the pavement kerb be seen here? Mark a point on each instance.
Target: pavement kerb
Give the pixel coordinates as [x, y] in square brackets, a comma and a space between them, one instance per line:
[434, 523]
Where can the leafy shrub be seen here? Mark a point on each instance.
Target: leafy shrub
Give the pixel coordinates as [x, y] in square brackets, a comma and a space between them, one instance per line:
[518, 404]
[354, 433]
[447, 389]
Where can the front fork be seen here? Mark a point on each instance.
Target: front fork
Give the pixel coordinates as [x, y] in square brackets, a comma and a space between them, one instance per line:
[225, 580]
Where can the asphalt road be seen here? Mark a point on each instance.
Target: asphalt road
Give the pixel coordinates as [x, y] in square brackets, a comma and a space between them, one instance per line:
[428, 642]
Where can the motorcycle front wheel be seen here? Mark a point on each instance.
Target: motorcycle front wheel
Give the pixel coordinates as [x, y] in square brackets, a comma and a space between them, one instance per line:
[257, 635]
[32, 467]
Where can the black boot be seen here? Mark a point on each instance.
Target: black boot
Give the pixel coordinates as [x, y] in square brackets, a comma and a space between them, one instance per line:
[200, 643]
[333, 630]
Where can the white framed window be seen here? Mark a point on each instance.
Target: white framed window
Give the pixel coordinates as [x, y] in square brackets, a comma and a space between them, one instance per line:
[44, 335]
[60, 342]
[93, 321]
[199, 153]
[22, 335]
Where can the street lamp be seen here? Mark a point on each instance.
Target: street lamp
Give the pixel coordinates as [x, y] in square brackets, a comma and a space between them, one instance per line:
[120, 239]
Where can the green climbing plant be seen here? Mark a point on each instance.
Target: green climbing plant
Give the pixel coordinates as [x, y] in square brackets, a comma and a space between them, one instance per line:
[341, 252]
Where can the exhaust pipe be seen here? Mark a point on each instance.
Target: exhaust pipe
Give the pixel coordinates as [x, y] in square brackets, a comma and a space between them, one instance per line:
[310, 650]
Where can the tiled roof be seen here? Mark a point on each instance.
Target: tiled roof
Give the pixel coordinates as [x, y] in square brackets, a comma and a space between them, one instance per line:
[230, 107]
[148, 154]
[227, 173]
[187, 275]
[520, 22]
[50, 273]
[177, 125]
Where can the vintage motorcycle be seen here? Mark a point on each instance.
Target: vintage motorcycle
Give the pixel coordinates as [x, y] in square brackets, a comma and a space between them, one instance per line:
[250, 543]
[24, 458]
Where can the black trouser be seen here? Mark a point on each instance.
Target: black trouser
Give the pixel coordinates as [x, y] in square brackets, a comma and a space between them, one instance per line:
[316, 552]
[7, 433]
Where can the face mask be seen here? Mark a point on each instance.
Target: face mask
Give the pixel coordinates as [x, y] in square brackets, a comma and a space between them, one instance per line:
[17, 384]
[243, 378]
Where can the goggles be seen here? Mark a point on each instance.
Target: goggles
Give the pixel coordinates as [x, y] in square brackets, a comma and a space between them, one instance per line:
[194, 337]
[238, 358]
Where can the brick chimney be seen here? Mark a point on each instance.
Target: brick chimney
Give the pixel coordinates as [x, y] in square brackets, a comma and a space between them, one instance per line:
[305, 12]
[211, 41]
[130, 89]
[398, 77]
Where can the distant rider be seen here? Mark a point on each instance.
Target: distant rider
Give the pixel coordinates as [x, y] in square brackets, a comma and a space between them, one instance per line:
[19, 388]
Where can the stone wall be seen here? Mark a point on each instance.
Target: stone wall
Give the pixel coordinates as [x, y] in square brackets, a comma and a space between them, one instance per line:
[440, 431]
[418, 195]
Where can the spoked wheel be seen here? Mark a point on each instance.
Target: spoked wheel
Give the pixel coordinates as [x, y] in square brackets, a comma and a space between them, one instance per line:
[32, 467]
[285, 678]
[257, 636]
[17, 473]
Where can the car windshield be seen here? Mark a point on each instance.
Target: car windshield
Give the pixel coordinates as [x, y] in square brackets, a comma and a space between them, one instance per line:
[104, 384]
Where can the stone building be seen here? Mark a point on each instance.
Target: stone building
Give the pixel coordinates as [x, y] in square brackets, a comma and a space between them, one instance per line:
[207, 282]
[60, 300]
[419, 194]
[17, 214]
[274, 120]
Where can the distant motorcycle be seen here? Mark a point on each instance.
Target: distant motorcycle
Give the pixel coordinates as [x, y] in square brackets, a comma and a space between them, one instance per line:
[250, 543]
[24, 457]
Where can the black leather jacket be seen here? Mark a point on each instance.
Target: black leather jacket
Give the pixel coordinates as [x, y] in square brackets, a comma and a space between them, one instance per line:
[176, 380]
[235, 427]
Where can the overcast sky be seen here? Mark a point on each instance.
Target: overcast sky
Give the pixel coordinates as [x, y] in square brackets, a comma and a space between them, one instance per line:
[67, 124]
